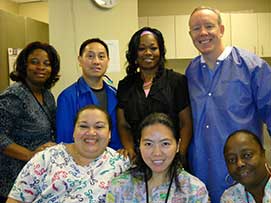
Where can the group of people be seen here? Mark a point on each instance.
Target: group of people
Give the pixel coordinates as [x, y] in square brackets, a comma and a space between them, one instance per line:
[160, 137]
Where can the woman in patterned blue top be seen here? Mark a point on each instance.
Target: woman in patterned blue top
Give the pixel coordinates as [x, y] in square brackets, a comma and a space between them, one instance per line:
[27, 111]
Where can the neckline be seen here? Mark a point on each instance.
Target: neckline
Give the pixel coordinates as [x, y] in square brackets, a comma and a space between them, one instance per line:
[147, 189]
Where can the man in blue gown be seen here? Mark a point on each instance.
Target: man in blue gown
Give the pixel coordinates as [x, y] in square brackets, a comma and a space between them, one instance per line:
[230, 89]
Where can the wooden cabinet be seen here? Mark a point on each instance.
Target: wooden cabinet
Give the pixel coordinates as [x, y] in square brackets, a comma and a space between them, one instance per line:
[166, 25]
[184, 43]
[244, 31]
[226, 21]
[251, 31]
[264, 34]
[142, 22]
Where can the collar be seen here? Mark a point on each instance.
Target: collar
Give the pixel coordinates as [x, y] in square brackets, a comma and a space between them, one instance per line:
[222, 56]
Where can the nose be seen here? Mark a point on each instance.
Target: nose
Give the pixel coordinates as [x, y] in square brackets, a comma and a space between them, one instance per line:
[240, 162]
[148, 52]
[156, 150]
[41, 65]
[96, 60]
[91, 131]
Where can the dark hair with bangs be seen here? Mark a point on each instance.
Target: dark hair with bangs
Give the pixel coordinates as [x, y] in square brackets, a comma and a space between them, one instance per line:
[142, 168]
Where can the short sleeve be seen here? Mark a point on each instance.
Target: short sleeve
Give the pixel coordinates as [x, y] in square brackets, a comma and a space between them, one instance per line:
[28, 184]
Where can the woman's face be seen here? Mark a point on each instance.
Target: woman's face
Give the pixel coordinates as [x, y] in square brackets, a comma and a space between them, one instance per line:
[91, 133]
[148, 53]
[39, 68]
[158, 148]
[245, 160]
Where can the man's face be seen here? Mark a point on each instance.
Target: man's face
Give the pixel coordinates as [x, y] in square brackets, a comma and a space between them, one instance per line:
[206, 32]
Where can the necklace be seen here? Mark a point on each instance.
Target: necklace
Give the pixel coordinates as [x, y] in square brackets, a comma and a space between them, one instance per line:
[168, 190]
[147, 85]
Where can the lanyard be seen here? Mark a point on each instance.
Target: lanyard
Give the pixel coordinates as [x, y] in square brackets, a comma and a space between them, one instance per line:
[168, 190]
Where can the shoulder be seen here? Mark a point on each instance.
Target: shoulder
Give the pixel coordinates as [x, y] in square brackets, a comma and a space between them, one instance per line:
[251, 60]
[16, 91]
[234, 193]
[127, 82]
[171, 74]
[174, 79]
[117, 157]
[124, 179]
[110, 88]
[190, 183]
[69, 92]
[194, 63]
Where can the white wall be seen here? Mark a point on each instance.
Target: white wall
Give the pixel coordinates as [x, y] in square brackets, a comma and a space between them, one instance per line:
[73, 21]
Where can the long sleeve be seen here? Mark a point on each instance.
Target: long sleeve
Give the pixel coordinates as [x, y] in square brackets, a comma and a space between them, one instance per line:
[65, 116]
[261, 85]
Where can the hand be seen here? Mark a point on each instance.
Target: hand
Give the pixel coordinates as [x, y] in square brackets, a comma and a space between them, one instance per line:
[128, 153]
[44, 146]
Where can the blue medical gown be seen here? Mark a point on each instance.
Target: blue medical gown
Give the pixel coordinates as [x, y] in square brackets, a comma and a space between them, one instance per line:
[235, 95]
[77, 96]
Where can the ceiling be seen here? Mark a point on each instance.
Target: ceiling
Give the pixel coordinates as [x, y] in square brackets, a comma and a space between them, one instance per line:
[26, 1]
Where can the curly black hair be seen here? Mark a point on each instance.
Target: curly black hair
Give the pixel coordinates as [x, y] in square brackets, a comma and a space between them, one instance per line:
[131, 53]
[19, 73]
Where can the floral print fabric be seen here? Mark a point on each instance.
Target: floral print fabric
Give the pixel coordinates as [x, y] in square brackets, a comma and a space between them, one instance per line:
[237, 194]
[53, 176]
[128, 189]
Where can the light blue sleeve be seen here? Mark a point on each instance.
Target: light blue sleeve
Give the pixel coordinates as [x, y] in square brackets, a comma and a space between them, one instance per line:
[261, 86]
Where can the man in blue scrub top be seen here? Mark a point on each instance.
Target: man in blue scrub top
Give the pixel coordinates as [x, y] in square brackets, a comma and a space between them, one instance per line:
[229, 89]
[89, 89]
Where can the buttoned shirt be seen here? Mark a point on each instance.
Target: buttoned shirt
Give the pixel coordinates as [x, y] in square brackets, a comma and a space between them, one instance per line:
[235, 95]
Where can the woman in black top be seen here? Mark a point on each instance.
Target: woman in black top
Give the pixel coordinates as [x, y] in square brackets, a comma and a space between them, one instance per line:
[150, 87]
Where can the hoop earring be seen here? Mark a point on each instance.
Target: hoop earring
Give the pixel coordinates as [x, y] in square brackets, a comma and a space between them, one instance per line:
[229, 180]
[267, 167]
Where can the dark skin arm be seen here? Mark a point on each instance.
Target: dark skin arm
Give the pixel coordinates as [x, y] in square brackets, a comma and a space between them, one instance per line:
[186, 129]
[19, 152]
[10, 200]
[126, 136]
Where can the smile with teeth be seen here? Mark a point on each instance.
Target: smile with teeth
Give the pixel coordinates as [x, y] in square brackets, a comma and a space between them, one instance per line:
[40, 74]
[204, 41]
[148, 60]
[158, 162]
[90, 140]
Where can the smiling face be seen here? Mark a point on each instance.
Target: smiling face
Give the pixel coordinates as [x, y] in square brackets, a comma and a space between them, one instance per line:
[38, 68]
[245, 160]
[148, 53]
[206, 32]
[94, 60]
[158, 148]
[91, 133]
